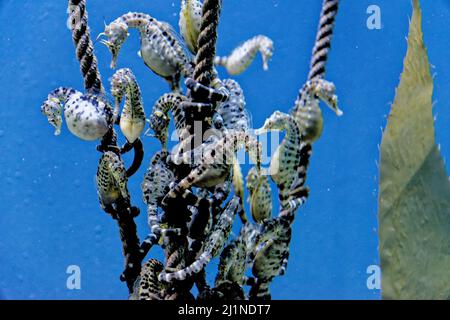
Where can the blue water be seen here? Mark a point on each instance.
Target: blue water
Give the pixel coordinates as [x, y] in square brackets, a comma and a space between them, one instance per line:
[49, 213]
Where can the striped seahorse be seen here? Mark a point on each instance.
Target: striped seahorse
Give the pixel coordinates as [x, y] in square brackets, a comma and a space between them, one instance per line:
[87, 115]
[132, 119]
[239, 60]
[161, 49]
[214, 244]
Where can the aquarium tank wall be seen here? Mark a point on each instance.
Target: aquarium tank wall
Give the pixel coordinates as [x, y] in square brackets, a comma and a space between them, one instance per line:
[57, 242]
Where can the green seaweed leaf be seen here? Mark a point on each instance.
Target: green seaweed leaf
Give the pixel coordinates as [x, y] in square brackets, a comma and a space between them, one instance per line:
[414, 203]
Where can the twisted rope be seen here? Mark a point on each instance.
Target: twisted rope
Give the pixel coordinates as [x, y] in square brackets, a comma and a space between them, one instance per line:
[177, 247]
[204, 66]
[323, 39]
[317, 69]
[130, 245]
[78, 22]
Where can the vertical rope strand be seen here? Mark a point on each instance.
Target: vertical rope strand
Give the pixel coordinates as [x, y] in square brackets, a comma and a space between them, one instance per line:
[204, 67]
[78, 22]
[323, 39]
[319, 59]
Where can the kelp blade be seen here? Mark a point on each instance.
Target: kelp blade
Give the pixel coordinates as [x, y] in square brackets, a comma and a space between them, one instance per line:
[414, 203]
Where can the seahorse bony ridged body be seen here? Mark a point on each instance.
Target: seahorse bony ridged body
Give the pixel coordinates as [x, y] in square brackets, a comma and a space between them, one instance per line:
[286, 160]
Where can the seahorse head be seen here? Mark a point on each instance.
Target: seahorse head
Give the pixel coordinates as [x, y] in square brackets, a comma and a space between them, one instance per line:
[53, 111]
[116, 33]
[276, 122]
[325, 91]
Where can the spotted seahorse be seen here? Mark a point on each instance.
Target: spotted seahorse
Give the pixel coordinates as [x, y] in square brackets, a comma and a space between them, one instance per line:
[154, 187]
[147, 285]
[260, 195]
[161, 49]
[307, 111]
[87, 115]
[111, 182]
[270, 255]
[239, 60]
[231, 116]
[132, 119]
[235, 256]
[286, 160]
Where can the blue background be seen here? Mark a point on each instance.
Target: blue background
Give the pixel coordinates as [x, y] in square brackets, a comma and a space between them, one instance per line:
[49, 213]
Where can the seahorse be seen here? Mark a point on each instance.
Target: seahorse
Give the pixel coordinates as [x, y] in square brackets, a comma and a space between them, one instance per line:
[190, 22]
[235, 256]
[87, 115]
[230, 116]
[234, 116]
[111, 182]
[154, 187]
[161, 49]
[286, 160]
[270, 255]
[216, 163]
[159, 119]
[147, 285]
[239, 60]
[260, 195]
[132, 119]
[182, 110]
[213, 244]
[307, 111]
[233, 260]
